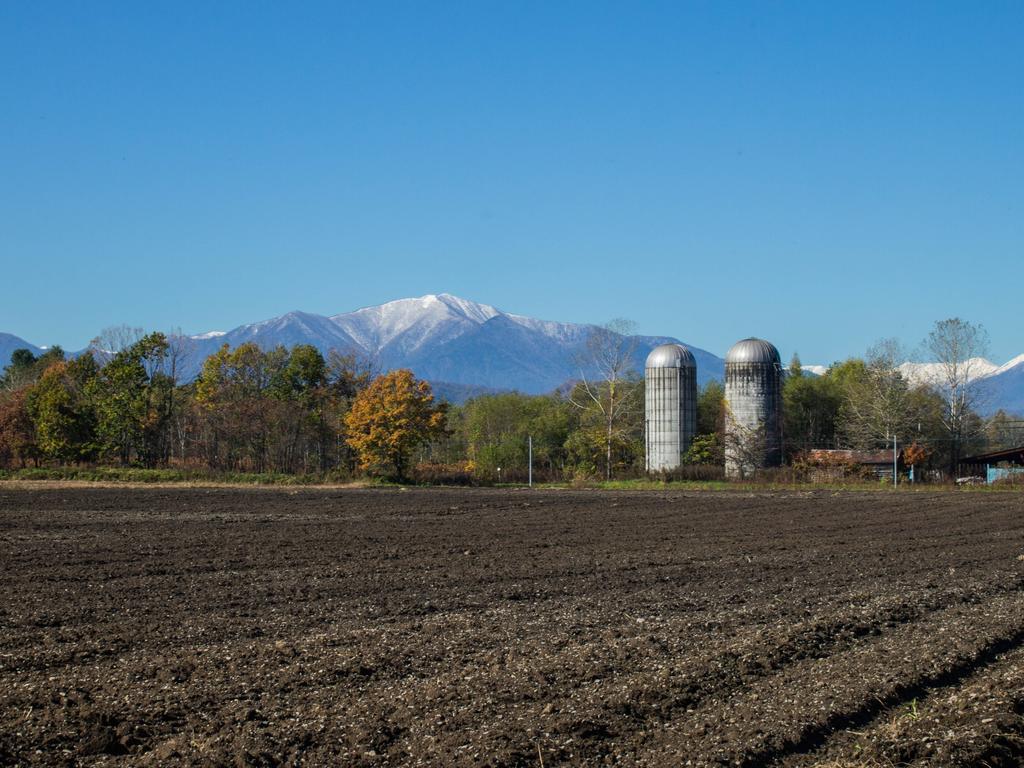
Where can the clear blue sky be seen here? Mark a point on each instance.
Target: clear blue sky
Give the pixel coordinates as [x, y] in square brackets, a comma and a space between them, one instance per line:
[819, 175]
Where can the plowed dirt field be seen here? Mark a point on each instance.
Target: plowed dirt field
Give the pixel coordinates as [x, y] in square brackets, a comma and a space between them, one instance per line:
[174, 626]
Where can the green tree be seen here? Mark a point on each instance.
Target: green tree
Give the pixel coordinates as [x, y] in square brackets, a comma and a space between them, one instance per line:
[303, 376]
[613, 446]
[705, 449]
[711, 408]
[62, 411]
[238, 398]
[26, 368]
[300, 434]
[811, 406]
[132, 399]
[496, 430]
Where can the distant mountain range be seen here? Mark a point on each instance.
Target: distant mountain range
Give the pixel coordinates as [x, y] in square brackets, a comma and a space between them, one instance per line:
[461, 345]
[9, 343]
[997, 386]
[465, 348]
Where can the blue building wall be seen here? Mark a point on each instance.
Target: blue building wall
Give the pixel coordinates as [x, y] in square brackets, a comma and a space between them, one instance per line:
[1001, 473]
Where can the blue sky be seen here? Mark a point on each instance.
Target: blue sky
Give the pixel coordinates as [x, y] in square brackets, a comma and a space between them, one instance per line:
[820, 174]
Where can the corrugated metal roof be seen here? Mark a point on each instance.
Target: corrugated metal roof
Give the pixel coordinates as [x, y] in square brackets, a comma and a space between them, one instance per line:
[670, 356]
[1011, 454]
[753, 351]
[857, 457]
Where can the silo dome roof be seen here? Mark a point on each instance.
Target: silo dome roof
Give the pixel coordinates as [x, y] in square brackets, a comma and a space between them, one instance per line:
[753, 351]
[670, 356]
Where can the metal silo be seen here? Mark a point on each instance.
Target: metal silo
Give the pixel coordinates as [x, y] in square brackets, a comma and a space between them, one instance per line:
[670, 405]
[753, 407]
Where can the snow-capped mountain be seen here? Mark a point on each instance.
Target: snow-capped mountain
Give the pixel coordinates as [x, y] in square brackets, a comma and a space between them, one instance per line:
[1002, 389]
[933, 373]
[465, 347]
[998, 387]
[1014, 364]
[817, 370]
[444, 338]
[409, 324]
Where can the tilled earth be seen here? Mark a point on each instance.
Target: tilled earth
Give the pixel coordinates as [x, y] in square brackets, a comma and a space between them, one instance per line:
[176, 626]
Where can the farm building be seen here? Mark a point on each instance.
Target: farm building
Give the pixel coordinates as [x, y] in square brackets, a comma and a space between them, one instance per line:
[997, 465]
[833, 464]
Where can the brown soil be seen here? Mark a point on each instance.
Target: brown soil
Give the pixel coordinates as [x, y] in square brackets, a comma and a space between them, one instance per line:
[176, 626]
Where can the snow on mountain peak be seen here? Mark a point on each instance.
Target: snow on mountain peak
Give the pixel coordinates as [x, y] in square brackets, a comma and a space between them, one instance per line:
[413, 322]
[817, 370]
[933, 373]
[472, 310]
[1018, 360]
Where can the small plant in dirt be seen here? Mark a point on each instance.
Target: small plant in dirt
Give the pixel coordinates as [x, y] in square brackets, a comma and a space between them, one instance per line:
[912, 712]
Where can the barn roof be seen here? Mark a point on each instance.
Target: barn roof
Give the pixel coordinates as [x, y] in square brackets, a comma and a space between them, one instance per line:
[1015, 455]
[857, 457]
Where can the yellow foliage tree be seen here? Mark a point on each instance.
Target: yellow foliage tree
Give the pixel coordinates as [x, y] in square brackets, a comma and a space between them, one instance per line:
[391, 418]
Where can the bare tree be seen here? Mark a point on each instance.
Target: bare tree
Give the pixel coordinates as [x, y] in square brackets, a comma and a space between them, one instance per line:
[351, 371]
[1004, 431]
[606, 372]
[181, 357]
[880, 404]
[744, 447]
[181, 354]
[958, 348]
[113, 340]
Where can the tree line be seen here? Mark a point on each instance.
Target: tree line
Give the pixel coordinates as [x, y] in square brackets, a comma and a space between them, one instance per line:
[297, 411]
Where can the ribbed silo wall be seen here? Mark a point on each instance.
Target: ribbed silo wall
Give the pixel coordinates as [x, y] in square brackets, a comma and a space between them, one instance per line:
[663, 418]
[670, 405]
[753, 400]
[688, 405]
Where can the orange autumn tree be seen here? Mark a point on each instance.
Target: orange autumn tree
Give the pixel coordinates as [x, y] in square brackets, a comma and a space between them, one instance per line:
[914, 454]
[390, 419]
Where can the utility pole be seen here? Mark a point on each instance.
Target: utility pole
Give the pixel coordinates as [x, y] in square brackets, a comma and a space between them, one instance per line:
[894, 474]
[530, 445]
[647, 447]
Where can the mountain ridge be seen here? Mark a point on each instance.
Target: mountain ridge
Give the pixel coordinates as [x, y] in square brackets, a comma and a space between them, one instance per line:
[445, 338]
[470, 346]
[9, 343]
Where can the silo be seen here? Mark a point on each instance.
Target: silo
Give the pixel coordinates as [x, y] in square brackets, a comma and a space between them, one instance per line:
[753, 407]
[670, 405]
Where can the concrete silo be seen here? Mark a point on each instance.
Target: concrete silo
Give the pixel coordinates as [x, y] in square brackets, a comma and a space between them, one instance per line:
[753, 407]
[670, 405]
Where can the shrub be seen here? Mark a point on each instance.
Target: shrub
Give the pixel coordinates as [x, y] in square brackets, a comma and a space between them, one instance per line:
[692, 473]
[433, 473]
